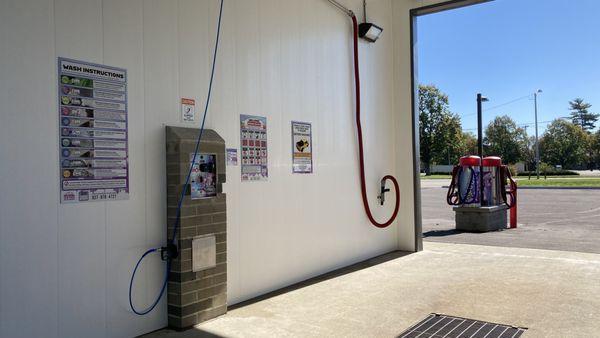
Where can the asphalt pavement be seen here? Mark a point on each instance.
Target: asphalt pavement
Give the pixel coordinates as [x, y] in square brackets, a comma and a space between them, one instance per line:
[553, 219]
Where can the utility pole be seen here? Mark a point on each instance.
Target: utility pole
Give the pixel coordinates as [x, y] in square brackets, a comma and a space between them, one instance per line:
[537, 142]
[480, 100]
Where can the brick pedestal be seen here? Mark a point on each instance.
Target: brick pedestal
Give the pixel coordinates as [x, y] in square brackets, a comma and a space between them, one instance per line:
[196, 296]
[480, 219]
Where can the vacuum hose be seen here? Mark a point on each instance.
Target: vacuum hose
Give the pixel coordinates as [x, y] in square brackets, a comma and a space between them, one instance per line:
[360, 146]
[508, 195]
[454, 195]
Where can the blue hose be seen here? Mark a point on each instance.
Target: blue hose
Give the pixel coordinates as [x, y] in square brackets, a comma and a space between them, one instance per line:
[162, 290]
[187, 181]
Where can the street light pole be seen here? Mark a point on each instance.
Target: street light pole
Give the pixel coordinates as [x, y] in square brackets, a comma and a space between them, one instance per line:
[480, 100]
[537, 142]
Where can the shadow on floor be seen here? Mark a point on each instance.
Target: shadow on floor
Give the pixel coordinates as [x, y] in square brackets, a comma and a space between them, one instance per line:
[441, 233]
[330, 275]
[189, 333]
[197, 332]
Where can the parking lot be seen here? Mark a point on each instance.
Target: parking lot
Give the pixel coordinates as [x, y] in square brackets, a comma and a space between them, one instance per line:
[553, 219]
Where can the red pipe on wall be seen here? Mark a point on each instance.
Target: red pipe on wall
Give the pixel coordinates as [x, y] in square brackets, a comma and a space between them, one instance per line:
[360, 145]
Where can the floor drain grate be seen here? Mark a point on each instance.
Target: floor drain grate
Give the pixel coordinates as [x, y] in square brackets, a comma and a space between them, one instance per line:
[442, 326]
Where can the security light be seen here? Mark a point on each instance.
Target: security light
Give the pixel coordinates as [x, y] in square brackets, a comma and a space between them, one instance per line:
[366, 30]
[369, 31]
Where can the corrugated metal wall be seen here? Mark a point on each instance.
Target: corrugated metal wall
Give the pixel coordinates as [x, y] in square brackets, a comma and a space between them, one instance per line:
[64, 269]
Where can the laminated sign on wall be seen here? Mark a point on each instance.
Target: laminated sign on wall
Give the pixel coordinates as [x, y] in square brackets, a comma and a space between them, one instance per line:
[253, 136]
[93, 132]
[232, 156]
[188, 110]
[301, 148]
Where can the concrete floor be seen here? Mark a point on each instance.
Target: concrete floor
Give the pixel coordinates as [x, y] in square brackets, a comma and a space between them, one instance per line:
[553, 293]
[553, 219]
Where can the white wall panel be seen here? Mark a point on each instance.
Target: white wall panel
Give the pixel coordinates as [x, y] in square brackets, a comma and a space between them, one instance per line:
[195, 43]
[126, 220]
[82, 227]
[28, 171]
[401, 28]
[161, 107]
[64, 269]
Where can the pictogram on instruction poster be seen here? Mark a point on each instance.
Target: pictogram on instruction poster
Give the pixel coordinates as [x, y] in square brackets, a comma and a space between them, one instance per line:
[301, 148]
[253, 139]
[92, 101]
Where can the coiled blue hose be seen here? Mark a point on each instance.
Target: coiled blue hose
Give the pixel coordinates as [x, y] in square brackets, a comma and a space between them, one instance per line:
[162, 290]
[187, 181]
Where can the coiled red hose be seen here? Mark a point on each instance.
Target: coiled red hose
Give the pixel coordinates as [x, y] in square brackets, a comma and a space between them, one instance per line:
[452, 196]
[508, 195]
[360, 145]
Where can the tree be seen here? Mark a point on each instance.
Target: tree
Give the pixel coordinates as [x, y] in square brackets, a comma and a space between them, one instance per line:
[469, 144]
[595, 150]
[581, 116]
[439, 129]
[590, 150]
[505, 139]
[563, 143]
[448, 145]
[529, 155]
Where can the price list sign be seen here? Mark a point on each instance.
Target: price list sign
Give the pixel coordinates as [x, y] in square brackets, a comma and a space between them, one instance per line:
[92, 101]
[253, 136]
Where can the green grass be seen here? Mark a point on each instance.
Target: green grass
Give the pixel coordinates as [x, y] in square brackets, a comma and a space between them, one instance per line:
[533, 177]
[560, 182]
[436, 177]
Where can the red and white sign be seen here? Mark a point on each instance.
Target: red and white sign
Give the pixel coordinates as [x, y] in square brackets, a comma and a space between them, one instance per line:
[188, 110]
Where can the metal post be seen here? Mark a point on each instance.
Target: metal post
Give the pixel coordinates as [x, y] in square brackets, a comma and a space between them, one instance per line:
[513, 212]
[480, 144]
[537, 142]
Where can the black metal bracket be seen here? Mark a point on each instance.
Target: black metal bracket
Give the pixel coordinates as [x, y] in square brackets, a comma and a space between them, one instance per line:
[169, 252]
[382, 192]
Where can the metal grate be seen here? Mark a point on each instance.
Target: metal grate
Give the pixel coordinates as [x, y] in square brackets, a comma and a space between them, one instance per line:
[442, 326]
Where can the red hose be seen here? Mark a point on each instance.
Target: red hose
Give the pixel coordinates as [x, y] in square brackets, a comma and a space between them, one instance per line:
[360, 144]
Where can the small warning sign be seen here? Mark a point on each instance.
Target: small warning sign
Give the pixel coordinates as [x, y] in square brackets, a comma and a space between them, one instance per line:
[188, 110]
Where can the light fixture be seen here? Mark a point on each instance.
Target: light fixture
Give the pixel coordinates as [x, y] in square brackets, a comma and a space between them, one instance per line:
[366, 30]
[369, 31]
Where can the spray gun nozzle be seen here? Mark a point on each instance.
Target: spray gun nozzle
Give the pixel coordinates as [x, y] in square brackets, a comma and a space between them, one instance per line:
[382, 192]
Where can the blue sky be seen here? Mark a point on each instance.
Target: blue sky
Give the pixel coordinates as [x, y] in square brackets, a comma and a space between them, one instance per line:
[506, 49]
